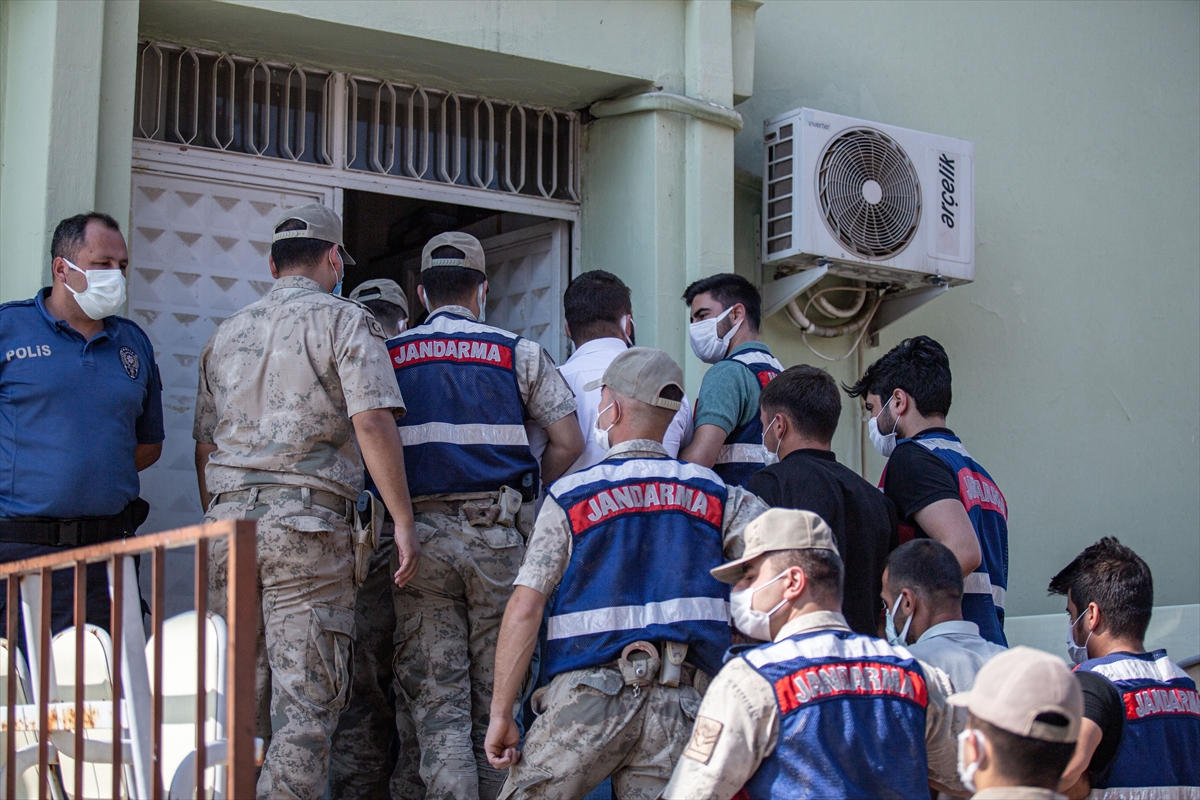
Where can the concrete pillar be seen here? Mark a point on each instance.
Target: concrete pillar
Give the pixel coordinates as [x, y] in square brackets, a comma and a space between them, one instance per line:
[62, 150]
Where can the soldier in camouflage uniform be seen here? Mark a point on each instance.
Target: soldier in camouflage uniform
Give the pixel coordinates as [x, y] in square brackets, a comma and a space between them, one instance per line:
[473, 480]
[291, 387]
[375, 745]
[638, 625]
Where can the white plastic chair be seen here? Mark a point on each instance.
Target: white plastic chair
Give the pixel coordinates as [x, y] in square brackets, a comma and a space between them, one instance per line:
[179, 703]
[27, 755]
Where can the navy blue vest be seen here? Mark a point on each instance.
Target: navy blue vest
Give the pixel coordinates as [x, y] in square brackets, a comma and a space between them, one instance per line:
[743, 453]
[983, 589]
[464, 429]
[1160, 744]
[852, 719]
[646, 532]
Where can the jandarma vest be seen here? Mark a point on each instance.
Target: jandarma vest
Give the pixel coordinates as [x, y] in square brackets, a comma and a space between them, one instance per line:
[1159, 753]
[464, 430]
[983, 589]
[852, 719]
[743, 453]
[646, 532]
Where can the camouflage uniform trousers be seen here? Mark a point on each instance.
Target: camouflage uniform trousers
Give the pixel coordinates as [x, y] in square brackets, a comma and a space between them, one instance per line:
[591, 725]
[375, 743]
[305, 633]
[448, 621]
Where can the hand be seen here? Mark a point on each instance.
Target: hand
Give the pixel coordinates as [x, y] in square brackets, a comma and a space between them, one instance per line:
[408, 552]
[501, 742]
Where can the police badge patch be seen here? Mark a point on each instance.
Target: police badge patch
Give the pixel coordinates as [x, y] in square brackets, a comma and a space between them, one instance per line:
[129, 361]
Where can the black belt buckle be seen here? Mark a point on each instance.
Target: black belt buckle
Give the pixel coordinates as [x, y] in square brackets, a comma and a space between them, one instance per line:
[70, 532]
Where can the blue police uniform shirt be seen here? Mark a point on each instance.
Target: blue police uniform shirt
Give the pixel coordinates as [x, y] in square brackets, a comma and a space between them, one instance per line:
[71, 413]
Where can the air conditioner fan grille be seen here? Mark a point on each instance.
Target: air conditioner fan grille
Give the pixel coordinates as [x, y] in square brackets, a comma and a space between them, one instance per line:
[869, 192]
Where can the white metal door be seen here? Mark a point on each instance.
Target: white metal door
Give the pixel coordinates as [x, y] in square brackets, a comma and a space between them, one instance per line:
[198, 252]
[527, 275]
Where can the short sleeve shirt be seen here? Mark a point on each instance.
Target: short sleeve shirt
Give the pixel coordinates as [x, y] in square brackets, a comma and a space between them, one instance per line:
[549, 550]
[1102, 704]
[72, 413]
[728, 396]
[279, 382]
[916, 478]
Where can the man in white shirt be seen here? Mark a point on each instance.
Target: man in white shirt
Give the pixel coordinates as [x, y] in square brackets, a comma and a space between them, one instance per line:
[599, 315]
[922, 597]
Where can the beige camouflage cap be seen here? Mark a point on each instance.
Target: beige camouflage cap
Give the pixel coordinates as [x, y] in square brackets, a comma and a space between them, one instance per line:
[320, 223]
[467, 244]
[381, 289]
[778, 529]
[1016, 687]
[641, 373]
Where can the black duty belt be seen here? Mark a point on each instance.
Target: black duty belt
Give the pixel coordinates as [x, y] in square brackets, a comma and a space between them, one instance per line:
[74, 532]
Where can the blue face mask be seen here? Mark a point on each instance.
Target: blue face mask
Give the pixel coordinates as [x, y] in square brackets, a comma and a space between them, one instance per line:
[337, 287]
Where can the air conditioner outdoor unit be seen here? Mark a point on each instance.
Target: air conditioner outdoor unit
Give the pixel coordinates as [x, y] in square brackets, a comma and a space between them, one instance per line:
[889, 208]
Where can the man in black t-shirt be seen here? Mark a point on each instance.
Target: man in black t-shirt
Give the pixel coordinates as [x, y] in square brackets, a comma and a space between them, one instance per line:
[799, 410]
[939, 490]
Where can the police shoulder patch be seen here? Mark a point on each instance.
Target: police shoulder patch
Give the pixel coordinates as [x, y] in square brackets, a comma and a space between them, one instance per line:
[704, 739]
[129, 360]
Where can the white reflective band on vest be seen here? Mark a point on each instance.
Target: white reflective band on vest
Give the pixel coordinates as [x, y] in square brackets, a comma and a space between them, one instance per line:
[944, 444]
[1147, 793]
[759, 357]
[446, 433]
[980, 583]
[742, 454]
[624, 618]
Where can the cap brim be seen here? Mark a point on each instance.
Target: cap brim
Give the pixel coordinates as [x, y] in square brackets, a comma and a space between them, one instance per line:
[731, 572]
[960, 699]
[596, 384]
[346, 259]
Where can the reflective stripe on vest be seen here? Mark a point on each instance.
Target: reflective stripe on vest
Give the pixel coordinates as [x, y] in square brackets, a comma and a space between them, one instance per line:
[464, 427]
[1161, 738]
[984, 589]
[645, 533]
[743, 453]
[834, 687]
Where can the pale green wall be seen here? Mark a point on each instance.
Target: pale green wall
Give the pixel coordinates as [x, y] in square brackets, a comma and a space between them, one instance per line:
[1076, 353]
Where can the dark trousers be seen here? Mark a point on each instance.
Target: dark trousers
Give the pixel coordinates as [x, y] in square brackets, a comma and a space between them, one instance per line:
[62, 593]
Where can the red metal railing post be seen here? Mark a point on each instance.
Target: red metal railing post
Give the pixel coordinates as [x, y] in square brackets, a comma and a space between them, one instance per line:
[243, 645]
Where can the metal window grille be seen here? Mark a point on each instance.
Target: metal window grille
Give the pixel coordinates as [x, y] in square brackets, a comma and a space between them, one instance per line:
[258, 107]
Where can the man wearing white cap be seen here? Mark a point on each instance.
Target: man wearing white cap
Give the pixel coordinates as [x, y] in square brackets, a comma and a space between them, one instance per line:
[291, 387]
[820, 711]
[637, 625]
[1024, 709]
[473, 478]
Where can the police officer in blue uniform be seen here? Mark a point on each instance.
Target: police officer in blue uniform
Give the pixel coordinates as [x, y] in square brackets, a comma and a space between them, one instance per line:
[80, 412]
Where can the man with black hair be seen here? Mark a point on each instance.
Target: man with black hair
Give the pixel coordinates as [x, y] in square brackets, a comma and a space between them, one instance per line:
[799, 413]
[922, 598]
[599, 316]
[1141, 726]
[295, 398]
[725, 312]
[819, 711]
[940, 491]
[474, 480]
[82, 413]
[1023, 723]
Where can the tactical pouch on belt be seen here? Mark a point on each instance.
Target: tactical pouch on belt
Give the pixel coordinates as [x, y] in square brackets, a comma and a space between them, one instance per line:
[639, 664]
[672, 664]
[503, 511]
[368, 521]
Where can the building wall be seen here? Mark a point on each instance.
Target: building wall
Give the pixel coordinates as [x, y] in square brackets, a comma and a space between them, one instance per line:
[1076, 352]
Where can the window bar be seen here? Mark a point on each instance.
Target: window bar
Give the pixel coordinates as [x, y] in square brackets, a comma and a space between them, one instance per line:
[158, 91]
[201, 557]
[264, 116]
[116, 573]
[479, 144]
[44, 658]
[573, 155]
[388, 140]
[446, 144]
[411, 134]
[188, 53]
[158, 583]
[540, 144]
[80, 625]
[223, 59]
[285, 116]
[351, 121]
[10, 690]
[508, 148]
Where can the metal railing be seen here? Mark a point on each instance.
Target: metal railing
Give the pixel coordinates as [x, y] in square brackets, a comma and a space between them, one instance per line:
[259, 107]
[135, 712]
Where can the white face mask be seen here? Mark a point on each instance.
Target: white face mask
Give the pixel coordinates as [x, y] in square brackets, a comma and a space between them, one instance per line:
[1078, 653]
[402, 326]
[884, 443]
[755, 624]
[482, 304]
[966, 772]
[706, 344]
[602, 433]
[629, 338]
[105, 292]
[896, 639]
[772, 456]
